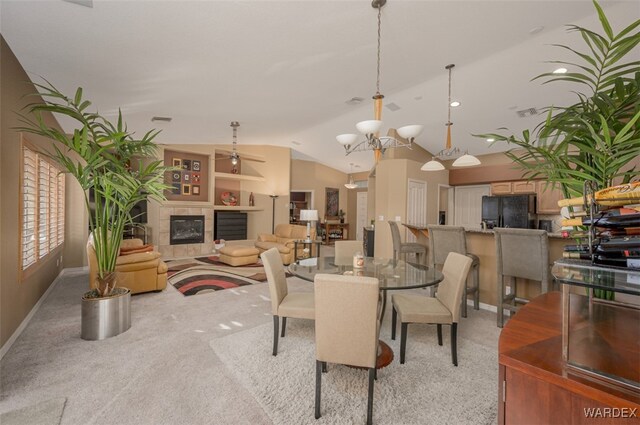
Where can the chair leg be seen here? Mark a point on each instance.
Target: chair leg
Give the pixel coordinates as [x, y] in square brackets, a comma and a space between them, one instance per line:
[276, 323]
[324, 367]
[318, 386]
[403, 341]
[454, 343]
[372, 372]
[476, 284]
[394, 321]
[439, 334]
[284, 325]
[464, 298]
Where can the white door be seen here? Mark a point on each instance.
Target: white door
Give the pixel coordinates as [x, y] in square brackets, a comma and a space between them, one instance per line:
[468, 205]
[361, 214]
[416, 205]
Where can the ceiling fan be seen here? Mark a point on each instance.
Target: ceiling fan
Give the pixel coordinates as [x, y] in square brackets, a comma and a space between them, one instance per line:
[234, 156]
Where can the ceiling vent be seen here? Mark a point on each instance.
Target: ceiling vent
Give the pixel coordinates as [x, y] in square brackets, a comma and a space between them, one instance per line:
[354, 101]
[529, 112]
[393, 107]
[164, 119]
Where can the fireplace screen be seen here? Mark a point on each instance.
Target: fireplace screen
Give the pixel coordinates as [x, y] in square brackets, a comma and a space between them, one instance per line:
[186, 229]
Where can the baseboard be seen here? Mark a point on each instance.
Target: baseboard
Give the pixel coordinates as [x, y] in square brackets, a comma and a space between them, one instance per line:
[7, 345]
[72, 271]
[483, 306]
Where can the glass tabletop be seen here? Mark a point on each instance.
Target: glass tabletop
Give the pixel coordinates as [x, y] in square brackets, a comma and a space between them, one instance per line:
[405, 275]
[583, 273]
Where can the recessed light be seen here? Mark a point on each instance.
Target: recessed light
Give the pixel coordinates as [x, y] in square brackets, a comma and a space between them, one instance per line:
[491, 140]
[356, 100]
[164, 119]
[455, 103]
[560, 71]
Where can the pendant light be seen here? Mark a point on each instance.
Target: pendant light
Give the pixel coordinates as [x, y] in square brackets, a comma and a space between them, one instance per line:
[449, 152]
[351, 184]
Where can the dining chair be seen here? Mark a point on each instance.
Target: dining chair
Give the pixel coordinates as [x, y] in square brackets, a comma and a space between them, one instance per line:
[520, 253]
[400, 247]
[444, 309]
[346, 332]
[446, 239]
[298, 305]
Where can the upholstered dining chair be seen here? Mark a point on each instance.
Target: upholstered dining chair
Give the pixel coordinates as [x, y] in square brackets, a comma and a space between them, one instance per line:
[345, 250]
[346, 332]
[444, 309]
[446, 239]
[298, 305]
[400, 247]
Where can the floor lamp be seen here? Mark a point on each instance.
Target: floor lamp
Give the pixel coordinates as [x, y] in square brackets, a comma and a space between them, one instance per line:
[273, 213]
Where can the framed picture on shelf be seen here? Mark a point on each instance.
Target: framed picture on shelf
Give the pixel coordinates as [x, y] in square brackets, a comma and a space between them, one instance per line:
[186, 164]
[186, 189]
[186, 176]
[332, 200]
[176, 188]
[176, 176]
[195, 189]
[176, 162]
[195, 177]
[195, 165]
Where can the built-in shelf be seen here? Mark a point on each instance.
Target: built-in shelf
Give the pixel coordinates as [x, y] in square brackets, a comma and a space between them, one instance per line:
[236, 208]
[240, 177]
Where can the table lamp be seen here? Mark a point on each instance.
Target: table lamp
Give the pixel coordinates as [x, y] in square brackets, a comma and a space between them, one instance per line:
[309, 216]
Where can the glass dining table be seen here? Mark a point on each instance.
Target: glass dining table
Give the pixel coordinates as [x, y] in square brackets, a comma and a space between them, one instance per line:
[398, 276]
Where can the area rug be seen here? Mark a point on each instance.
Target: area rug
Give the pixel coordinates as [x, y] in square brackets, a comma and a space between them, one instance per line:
[203, 279]
[426, 389]
[252, 271]
[43, 413]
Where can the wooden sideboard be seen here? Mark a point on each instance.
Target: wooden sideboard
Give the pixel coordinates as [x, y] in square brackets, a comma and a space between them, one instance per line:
[535, 386]
[331, 232]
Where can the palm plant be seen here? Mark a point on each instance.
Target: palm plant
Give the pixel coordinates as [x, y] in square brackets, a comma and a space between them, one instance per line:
[100, 156]
[596, 138]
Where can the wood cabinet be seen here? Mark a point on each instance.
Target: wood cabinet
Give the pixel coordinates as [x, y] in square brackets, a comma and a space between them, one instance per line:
[548, 197]
[534, 385]
[501, 188]
[523, 187]
[331, 232]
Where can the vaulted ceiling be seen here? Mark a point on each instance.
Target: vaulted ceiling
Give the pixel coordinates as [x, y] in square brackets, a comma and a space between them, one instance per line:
[285, 69]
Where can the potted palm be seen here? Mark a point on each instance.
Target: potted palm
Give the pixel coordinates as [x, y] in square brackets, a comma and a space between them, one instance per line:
[598, 137]
[118, 171]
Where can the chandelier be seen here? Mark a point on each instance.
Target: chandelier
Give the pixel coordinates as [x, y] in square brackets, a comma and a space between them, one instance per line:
[448, 153]
[351, 184]
[371, 128]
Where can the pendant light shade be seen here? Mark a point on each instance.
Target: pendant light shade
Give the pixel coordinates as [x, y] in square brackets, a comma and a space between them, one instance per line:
[466, 160]
[433, 165]
[351, 184]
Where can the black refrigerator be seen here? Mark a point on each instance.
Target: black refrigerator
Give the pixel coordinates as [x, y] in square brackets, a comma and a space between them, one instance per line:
[517, 211]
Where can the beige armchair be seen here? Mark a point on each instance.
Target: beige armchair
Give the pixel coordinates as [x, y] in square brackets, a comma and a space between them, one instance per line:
[346, 332]
[444, 309]
[299, 305]
[282, 240]
[140, 272]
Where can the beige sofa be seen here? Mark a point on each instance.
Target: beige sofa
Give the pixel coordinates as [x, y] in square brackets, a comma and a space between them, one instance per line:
[140, 272]
[283, 239]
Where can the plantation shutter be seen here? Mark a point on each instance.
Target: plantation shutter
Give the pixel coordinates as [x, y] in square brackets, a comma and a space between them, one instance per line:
[43, 207]
[29, 197]
[53, 207]
[61, 194]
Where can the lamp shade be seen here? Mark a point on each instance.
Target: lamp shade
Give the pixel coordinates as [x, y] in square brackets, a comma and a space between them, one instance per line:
[369, 126]
[309, 215]
[347, 139]
[466, 160]
[432, 165]
[410, 131]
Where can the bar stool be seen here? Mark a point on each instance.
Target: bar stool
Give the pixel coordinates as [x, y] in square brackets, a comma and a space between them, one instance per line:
[403, 248]
[522, 253]
[446, 239]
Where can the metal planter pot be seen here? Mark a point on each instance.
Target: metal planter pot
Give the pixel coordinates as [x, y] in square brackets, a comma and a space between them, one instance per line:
[105, 317]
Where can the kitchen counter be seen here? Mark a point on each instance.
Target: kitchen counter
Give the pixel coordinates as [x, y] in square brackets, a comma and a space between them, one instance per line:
[557, 235]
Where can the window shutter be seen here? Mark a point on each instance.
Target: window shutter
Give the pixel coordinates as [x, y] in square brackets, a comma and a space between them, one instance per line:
[29, 196]
[53, 207]
[43, 207]
[61, 194]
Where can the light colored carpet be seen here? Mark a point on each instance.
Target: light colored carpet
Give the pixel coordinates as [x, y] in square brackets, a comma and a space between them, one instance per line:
[44, 413]
[426, 389]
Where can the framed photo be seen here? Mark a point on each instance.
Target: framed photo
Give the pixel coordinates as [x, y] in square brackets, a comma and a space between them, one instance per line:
[195, 177]
[186, 177]
[176, 162]
[176, 189]
[332, 203]
[195, 165]
[176, 176]
[195, 189]
[186, 189]
[186, 164]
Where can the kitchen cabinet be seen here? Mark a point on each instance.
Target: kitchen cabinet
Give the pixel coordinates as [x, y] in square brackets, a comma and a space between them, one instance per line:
[501, 188]
[548, 197]
[523, 187]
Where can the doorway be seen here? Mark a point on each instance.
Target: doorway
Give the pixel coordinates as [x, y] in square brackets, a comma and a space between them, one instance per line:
[299, 200]
[361, 214]
[445, 204]
[416, 206]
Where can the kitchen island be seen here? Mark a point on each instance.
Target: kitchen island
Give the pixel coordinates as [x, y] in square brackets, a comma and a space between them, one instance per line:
[482, 243]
